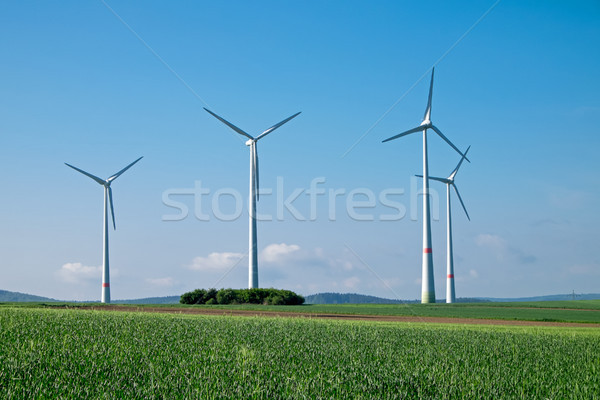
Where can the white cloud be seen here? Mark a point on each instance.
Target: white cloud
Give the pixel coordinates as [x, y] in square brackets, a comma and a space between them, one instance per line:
[340, 263]
[392, 282]
[502, 249]
[215, 261]
[491, 241]
[278, 253]
[567, 198]
[78, 273]
[351, 282]
[305, 270]
[473, 273]
[161, 282]
[584, 269]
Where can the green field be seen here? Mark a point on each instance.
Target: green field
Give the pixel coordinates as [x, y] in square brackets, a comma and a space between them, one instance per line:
[77, 353]
[583, 311]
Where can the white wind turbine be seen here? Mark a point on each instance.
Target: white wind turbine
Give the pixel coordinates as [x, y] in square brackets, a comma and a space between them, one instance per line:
[253, 254]
[427, 285]
[107, 200]
[449, 181]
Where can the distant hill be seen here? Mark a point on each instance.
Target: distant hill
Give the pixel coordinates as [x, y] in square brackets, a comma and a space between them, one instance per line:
[150, 300]
[355, 298]
[553, 297]
[16, 297]
[350, 298]
[319, 298]
[6, 296]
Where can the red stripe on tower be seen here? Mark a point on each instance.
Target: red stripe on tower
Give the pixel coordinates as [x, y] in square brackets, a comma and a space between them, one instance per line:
[427, 250]
[451, 276]
[106, 285]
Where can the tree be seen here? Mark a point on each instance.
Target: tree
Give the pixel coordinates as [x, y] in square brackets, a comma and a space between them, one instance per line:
[242, 296]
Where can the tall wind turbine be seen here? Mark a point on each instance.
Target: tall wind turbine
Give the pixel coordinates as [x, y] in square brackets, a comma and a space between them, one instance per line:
[449, 181]
[427, 285]
[107, 200]
[253, 254]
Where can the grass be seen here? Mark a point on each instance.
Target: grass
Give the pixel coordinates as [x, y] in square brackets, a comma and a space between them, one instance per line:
[78, 353]
[587, 312]
[510, 311]
[582, 311]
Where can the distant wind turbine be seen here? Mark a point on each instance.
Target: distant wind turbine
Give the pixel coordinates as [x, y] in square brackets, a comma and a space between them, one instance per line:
[107, 200]
[427, 285]
[253, 254]
[449, 181]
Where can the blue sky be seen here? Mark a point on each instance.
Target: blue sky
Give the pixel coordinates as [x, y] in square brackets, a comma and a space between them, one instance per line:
[78, 86]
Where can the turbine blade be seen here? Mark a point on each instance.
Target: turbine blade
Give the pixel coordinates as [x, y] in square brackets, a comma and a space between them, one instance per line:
[115, 176]
[460, 162]
[271, 129]
[229, 124]
[408, 132]
[461, 202]
[100, 181]
[448, 141]
[427, 116]
[443, 180]
[112, 210]
[434, 178]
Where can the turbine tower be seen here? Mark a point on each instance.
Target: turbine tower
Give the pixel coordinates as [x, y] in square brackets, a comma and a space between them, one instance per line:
[253, 254]
[427, 285]
[105, 298]
[449, 181]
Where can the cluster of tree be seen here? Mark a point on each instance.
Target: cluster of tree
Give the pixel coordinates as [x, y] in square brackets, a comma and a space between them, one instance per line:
[242, 296]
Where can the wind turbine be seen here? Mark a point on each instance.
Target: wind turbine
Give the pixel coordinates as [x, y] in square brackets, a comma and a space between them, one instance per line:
[427, 285]
[107, 200]
[251, 142]
[449, 181]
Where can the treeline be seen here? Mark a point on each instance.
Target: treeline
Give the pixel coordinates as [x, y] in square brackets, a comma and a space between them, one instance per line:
[6, 296]
[355, 298]
[348, 298]
[242, 296]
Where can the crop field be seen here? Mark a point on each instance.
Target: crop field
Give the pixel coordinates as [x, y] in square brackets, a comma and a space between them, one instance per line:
[578, 311]
[585, 311]
[47, 353]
